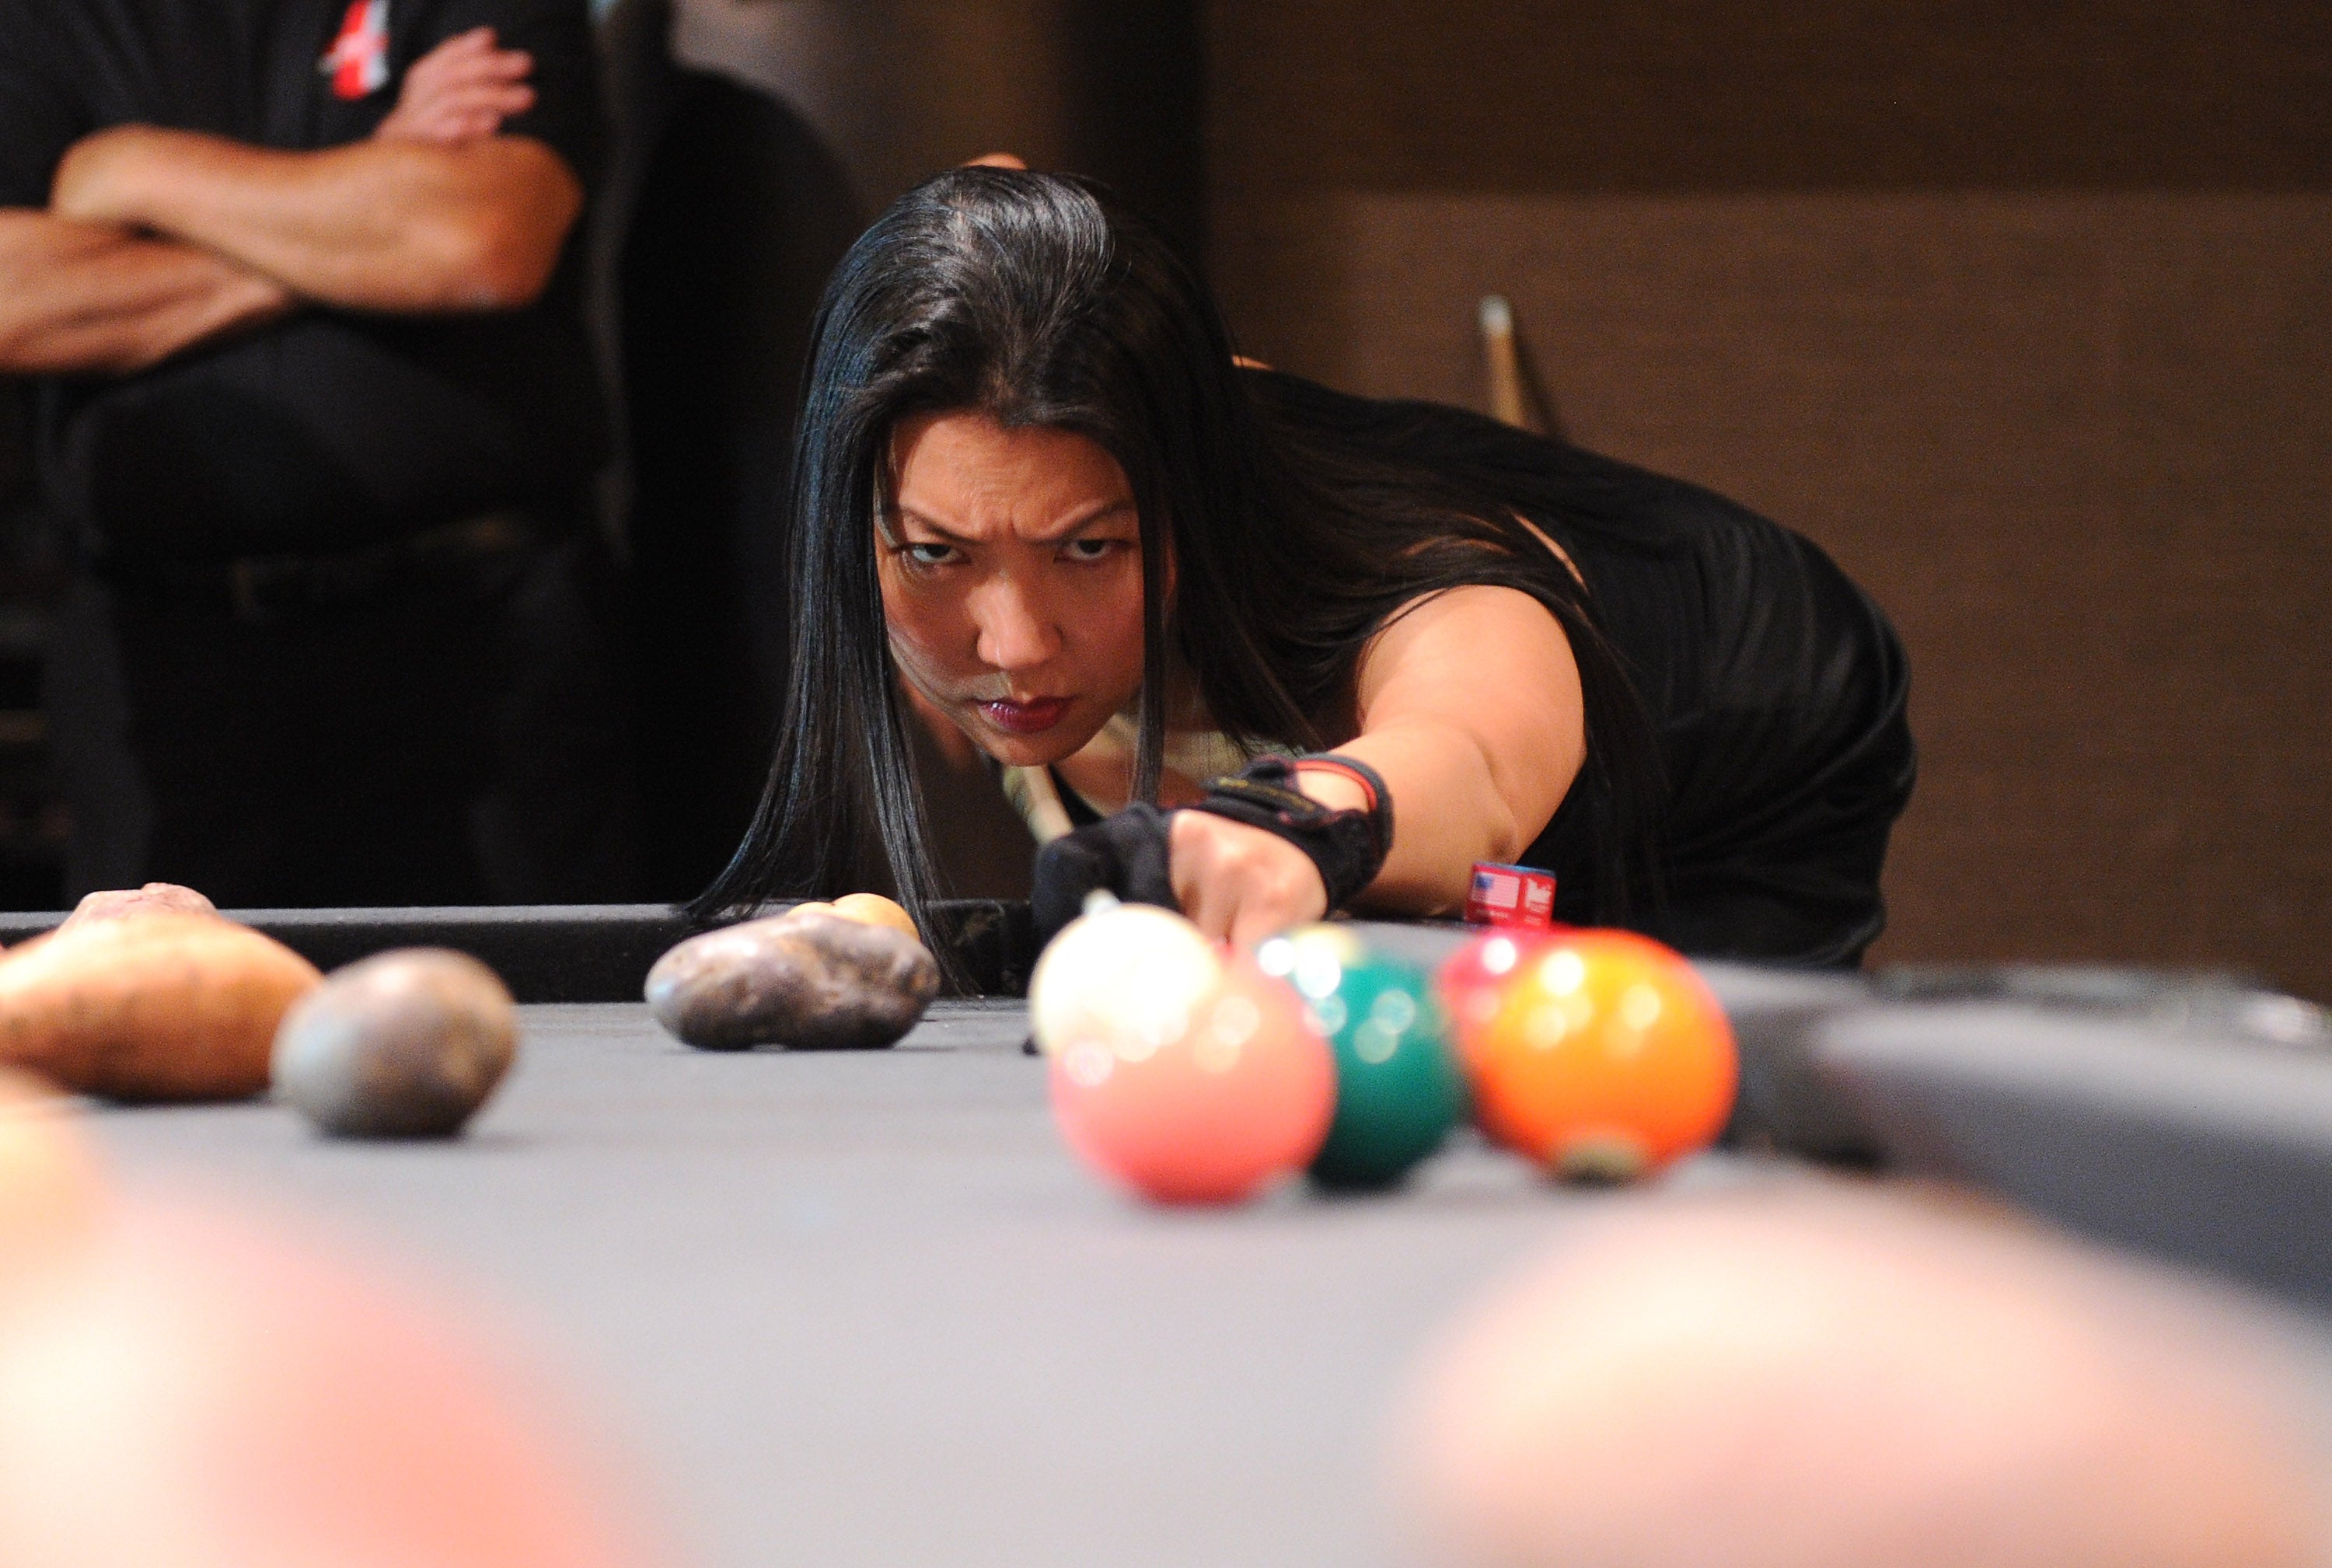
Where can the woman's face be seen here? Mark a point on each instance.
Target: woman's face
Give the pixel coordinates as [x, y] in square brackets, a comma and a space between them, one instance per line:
[1010, 563]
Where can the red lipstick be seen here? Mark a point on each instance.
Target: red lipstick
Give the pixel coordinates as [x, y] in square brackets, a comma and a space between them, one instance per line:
[1030, 718]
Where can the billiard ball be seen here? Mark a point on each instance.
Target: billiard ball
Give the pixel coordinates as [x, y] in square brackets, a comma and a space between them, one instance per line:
[1399, 1090]
[191, 1388]
[1607, 1057]
[873, 909]
[1123, 970]
[402, 1044]
[51, 1189]
[1239, 1092]
[1829, 1378]
[1473, 979]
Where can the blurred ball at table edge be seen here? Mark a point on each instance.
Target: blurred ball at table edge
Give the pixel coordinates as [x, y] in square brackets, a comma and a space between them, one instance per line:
[1808, 1375]
[194, 1389]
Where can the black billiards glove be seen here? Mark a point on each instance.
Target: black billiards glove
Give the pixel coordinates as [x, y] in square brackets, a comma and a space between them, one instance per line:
[1128, 853]
[1349, 846]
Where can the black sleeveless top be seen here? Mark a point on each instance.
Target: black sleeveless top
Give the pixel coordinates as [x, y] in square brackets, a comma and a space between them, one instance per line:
[1777, 691]
[1774, 687]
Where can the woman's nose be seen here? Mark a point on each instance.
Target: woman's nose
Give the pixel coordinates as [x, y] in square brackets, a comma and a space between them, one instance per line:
[1017, 627]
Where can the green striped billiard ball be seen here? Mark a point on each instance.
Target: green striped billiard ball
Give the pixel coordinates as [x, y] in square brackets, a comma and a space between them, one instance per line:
[1399, 1086]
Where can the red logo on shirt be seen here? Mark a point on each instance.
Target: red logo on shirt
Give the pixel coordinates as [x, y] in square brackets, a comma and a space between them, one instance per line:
[358, 61]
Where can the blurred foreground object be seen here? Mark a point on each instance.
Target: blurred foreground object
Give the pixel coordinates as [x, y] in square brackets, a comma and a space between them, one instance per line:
[140, 997]
[405, 1044]
[50, 1189]
[182, 1391]
[1814, 1377]
[2150, 1109]
[153, 897]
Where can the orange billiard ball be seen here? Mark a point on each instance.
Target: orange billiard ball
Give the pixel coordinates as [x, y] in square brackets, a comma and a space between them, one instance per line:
[1606, 1058]
[1474, 978]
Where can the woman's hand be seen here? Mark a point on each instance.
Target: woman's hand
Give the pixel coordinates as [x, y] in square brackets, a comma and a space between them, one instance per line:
[1238, 884]
[1265, 850]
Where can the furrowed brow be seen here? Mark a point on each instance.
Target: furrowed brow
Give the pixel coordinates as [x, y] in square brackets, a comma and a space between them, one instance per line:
[896, 515]
[1099, 514]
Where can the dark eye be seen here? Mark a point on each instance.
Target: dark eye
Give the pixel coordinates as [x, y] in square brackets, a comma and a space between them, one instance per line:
[1093, 549]
[929, 554]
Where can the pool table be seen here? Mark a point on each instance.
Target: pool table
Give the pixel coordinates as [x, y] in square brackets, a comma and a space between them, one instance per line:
[862, 1309]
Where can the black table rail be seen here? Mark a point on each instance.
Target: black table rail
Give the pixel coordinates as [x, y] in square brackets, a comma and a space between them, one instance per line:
[583, 952]
[2189, 1116]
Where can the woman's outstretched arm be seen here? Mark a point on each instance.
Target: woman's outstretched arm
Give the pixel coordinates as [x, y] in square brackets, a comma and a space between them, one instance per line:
[1469, 708]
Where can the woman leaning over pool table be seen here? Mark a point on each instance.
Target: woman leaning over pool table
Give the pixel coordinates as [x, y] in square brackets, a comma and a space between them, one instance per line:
[1240, 643]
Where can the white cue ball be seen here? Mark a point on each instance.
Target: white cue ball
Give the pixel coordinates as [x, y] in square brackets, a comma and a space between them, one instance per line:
[1134, 970]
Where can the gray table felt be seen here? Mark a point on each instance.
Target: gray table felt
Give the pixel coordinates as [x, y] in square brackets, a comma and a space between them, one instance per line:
[866, 1309]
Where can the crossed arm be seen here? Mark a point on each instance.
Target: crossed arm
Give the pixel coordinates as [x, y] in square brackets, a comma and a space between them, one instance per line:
[83, 298]
[156, 240]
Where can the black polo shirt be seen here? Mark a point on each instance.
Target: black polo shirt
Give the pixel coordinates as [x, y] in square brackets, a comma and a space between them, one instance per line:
[332, 428]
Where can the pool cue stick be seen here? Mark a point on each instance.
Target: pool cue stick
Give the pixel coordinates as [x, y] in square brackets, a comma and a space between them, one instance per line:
[1504, 361]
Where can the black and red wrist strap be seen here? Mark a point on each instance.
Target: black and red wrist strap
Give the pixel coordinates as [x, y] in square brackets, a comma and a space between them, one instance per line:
[1349, 846]
[1129, 853]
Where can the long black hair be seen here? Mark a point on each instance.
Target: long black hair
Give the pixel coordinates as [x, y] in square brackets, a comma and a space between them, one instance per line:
[1300, 520]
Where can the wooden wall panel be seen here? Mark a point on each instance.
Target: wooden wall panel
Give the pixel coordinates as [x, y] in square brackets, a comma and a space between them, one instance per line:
[2023, 314]
[1583, 95]
[899, 90]
[2076, 445]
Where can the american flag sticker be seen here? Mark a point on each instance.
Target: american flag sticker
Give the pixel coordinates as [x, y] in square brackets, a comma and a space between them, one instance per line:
[1510, 895]
[358, 61]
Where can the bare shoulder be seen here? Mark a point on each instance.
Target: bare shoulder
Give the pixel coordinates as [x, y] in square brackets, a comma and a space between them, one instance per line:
[1476, 637]
[1485, 672]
